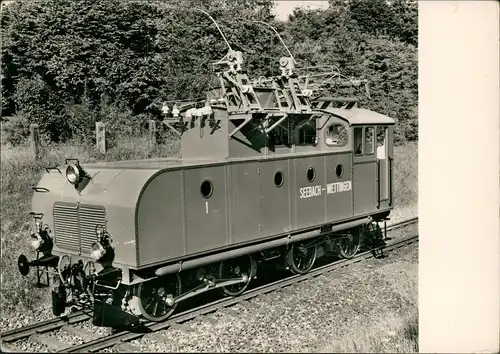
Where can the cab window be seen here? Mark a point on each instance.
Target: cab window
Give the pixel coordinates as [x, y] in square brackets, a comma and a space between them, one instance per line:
[336, 135]
[305, 132]
[369, 140]
[381, 142]
[280, 135]
[358, 141]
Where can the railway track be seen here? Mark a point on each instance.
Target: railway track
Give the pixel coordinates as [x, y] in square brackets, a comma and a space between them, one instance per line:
[68, 323]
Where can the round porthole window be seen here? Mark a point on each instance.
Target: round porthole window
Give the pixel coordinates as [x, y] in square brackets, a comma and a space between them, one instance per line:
[206, 189]
[339, 170]
[311, 174]
[279, 179]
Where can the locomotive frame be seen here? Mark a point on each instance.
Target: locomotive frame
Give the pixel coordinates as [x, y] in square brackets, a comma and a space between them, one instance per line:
[267, 174]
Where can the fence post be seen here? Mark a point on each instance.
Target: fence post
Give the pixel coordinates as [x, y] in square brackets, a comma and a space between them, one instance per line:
[35, 140]
[152, 134]
[100, 130]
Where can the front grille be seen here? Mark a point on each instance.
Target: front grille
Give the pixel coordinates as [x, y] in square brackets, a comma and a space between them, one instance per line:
[66, 229]
[75, 225]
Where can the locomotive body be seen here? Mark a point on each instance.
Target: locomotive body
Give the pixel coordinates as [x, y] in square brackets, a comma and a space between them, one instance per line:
[265, 173]
[163, 210]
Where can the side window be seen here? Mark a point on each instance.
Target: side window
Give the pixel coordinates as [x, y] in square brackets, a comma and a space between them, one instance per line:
[381, 142]
[358, 141]
[279, 136]
[305, 133]
[336, 135]
[369, 140]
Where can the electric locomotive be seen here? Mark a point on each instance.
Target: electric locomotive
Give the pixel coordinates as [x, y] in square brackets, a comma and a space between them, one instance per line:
[266, 174]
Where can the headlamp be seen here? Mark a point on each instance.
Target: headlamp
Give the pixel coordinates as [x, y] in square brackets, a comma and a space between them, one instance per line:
[36, 241]
[73, 174]
[97, 251]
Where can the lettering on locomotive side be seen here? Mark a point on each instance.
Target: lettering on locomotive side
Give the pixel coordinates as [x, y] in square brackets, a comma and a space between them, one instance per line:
[331, 188]
[308, 192]
[338, 187]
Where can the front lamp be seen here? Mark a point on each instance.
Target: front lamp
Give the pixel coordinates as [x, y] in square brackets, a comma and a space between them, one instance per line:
[36, 242]
[73, 174]
[97, 251]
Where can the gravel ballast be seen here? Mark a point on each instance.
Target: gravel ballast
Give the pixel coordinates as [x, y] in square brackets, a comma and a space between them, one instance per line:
[315, 315]
[320, 314]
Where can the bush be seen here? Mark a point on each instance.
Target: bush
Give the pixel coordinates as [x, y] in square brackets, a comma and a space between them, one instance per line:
[119, 121]
[42, 105]
[82, 118]
[406, 175]
[16, 130]
[136, 52]
[141, 53]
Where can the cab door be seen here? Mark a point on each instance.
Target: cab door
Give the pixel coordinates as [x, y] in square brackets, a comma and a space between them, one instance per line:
[365, 171]
[384, 167]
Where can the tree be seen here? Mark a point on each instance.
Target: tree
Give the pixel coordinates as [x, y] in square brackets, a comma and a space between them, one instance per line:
[373, 17]
[345, 36]
[65, 61]
[138, 52]
[405, 23]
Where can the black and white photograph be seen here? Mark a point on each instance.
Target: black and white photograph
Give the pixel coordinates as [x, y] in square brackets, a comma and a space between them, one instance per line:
[226, 176]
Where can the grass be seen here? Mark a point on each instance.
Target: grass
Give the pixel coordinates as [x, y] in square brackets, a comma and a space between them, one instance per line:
[405, 181]
[395, 330]
[19, 171]
[375, 337]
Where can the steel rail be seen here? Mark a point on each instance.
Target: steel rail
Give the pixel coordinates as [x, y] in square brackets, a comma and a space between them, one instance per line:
[400, 224]
[83, 315]
[44, 326]
[123, 337]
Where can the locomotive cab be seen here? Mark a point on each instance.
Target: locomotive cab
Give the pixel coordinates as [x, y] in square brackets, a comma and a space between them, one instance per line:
[369, 136]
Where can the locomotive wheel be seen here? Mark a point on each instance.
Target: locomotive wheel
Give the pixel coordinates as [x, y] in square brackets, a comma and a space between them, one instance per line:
[348, 247]
[153, 297]
[300, 258]
[235, 268]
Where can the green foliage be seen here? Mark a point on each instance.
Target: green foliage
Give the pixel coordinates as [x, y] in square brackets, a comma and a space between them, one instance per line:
[70, 63]
[42, 105]
[81, 118]
[103, 48]
[120, 122]
[395, 18]
[406, 175]
[405, 20]
[372, 16]
[390, 67]
[16, 130]
[364, 51]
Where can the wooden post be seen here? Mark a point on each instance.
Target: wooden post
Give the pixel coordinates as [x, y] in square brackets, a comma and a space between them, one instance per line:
[152, 134]
[100, 137]
[35, 140]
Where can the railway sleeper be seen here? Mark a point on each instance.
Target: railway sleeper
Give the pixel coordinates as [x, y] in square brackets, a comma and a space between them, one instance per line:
[124, 347]
[49, 342]
[79, 332]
